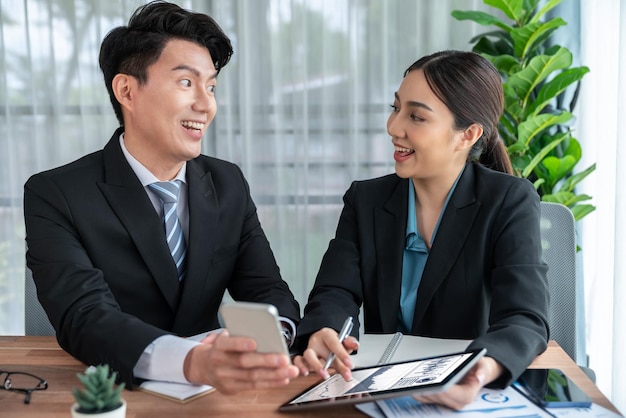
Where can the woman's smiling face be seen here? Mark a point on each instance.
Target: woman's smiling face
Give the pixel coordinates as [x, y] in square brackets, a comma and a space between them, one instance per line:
[426, 143]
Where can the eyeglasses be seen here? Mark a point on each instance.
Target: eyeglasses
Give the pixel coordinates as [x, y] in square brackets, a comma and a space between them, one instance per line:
[22, 382]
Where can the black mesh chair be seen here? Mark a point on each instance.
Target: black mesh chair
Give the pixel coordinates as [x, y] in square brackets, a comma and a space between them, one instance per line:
[35, 319]
[566, 313]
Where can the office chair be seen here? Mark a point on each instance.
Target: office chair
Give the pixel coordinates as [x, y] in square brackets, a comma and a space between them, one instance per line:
[566, 313]
[35, 318]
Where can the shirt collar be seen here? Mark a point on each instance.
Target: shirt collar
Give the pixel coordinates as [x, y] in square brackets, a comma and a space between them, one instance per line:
[411, 223]
[143, 174]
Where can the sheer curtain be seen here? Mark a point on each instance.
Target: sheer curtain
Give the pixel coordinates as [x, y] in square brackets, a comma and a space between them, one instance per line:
[304, 105]
[301, 107]
[53, 109]
[601, 130]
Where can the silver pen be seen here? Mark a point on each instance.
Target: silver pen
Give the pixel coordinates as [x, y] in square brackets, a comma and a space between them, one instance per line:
[343, 334]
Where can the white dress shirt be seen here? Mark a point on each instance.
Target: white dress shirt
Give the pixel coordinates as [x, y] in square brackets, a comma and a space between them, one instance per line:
[163, 359]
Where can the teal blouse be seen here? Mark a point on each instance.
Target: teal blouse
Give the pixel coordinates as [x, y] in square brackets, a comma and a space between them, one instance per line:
[414, 259]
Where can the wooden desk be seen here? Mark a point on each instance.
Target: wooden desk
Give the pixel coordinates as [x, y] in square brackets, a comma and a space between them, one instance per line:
[43, 357]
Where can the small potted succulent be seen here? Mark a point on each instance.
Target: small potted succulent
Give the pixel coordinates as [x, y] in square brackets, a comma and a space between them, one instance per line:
[99, 395]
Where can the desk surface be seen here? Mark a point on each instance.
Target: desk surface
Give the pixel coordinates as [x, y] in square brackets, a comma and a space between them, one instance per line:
[43, 357]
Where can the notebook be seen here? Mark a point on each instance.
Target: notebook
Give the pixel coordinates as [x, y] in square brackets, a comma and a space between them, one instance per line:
[178, 392]
[375, 349]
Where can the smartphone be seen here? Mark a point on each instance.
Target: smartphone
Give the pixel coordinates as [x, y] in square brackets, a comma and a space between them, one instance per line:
[551, 388]
[258, 321]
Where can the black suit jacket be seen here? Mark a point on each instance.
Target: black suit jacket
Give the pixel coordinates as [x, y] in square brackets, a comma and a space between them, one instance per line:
[484, 278]
[103, 270]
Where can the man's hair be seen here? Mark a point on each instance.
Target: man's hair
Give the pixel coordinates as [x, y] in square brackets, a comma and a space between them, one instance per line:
[132, 49]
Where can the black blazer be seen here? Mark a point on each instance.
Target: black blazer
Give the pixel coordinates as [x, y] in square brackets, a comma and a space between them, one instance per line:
[103, 270]
[484, 278]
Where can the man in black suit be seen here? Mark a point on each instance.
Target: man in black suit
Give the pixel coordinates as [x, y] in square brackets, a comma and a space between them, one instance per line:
[111, 284]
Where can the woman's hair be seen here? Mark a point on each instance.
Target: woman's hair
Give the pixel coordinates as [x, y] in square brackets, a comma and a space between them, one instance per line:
[471, 87]
[132, 49]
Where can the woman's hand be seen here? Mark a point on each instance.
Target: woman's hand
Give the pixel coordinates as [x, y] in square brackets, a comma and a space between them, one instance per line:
[463, 393]
[321, 344]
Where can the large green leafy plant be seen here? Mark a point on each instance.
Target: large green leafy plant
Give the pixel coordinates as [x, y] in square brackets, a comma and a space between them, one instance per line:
[536, 78]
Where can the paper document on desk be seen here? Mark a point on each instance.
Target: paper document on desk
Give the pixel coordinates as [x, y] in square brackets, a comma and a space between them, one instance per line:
[595, 411]
[490, 402]
[372, 347]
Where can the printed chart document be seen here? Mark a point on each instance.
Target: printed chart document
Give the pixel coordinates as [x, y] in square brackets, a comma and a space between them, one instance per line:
[490, 402]
[388, 348]
[594, 411]
[178, 392]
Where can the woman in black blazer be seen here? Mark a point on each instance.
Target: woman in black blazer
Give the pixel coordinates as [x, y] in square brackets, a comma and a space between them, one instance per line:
[449, 246]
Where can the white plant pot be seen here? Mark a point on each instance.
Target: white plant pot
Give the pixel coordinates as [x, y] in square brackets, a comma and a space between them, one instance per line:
[116, 413]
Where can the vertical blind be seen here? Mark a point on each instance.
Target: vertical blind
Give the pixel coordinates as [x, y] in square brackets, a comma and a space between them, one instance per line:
[302, 106]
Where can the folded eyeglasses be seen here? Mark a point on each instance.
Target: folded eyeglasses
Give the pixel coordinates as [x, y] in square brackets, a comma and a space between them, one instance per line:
[22, 382]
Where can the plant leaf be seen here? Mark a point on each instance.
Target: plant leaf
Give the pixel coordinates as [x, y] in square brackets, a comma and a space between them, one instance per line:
[542, 154]
[510, 93]
[559, 167]
[529, 7]
[578, 198]
[572, 201]
[538, 183]
[555, 87]
[574, 149]
[559, 197]
[514, 148]
[504, 63]
[580, 211]
[527, 38]
[574, 179]
[513, 9]
[545, 9]
[481, 18]
[503, 43]
[538, 69]
[531, 127]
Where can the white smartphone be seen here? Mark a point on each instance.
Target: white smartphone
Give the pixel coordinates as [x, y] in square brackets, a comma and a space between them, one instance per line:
[258, 321]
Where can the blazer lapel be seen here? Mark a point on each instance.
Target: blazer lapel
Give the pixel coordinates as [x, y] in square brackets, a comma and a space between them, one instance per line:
[131, 204]
[203, 218]
[451, 236]
[390, 238]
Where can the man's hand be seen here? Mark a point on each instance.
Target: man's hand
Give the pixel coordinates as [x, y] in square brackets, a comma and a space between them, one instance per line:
[231, 365]
[463, 393]
[321, 344]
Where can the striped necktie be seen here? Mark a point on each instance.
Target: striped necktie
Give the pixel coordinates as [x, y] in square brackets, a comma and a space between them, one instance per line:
[168, 192]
